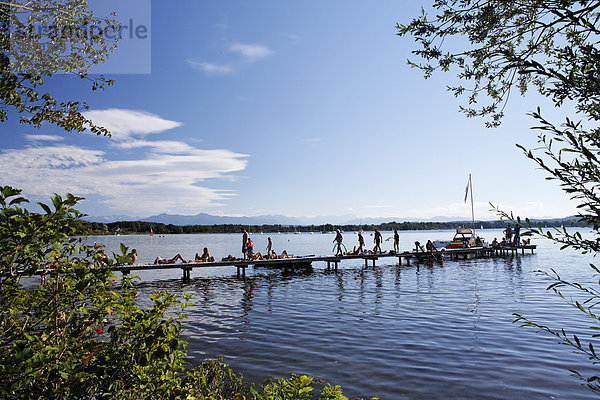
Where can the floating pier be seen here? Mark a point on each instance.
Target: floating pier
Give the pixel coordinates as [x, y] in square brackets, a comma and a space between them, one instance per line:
[294, 263]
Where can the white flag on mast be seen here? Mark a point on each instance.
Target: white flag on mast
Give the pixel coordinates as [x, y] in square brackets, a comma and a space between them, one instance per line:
[467, 188]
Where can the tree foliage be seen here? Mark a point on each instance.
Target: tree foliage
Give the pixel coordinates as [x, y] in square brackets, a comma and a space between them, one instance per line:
[552, 46]
[68, 327]
[499, 45]
[41, 38]
[129, 227]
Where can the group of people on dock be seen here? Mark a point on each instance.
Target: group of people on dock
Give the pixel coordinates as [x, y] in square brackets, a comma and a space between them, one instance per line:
[512, 238]
[248, 250]
[360, 249]
[205, 257]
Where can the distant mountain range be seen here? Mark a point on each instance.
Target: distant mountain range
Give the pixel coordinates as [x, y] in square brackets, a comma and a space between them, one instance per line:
[208, 219]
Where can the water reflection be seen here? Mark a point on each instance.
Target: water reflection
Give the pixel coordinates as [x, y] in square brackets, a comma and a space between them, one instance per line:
[418, 331]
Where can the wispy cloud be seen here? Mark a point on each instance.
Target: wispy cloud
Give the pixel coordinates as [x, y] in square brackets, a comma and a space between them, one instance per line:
[123, 123]
[44, 138]
[211, 68]
[160, 181]
[170, 175]
[246, 54]
[250, 52]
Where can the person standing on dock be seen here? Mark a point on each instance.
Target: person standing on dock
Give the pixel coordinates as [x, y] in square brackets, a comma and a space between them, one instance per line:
[517, 240]
[508, 234]
[396, 241]
[361, 242]
[377, 239]
[244, 242]
[338, 239]
[269, 246]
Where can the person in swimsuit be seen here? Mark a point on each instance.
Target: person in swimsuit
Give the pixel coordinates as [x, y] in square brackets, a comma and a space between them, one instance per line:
[361, 242]
[249, 249]
[205, 257]
[377, 240]
[338, 239]
[244, 242]
[269, 246]
[173, 260]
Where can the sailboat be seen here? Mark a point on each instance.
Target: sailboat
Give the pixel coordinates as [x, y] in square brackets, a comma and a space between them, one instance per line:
[464, 237]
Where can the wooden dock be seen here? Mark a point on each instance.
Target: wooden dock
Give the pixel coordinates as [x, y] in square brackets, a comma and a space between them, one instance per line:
[294, 263]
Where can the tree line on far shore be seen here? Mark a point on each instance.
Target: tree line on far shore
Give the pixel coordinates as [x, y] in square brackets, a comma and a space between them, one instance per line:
[142, 227]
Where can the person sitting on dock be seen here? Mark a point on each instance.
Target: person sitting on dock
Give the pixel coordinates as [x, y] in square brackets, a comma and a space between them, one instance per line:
[173, 260]
[503, 242]
[430, 247]
[495, 243]
[257, 257]
[103, 258]
[284, 254]
[418, 247]
[338, 240]
[133, 256]
[355, 251]
[205, 257]
[249, 249]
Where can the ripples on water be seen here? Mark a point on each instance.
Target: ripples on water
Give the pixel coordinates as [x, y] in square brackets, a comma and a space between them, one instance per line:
[396, 332]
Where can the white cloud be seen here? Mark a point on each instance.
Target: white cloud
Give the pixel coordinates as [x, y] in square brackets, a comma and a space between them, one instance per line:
[250, 52]
[211, 68]
[44, 138]
[124, 124]
[163, 180]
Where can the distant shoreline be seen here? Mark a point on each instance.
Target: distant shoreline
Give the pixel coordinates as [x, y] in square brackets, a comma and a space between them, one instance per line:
[143, 227]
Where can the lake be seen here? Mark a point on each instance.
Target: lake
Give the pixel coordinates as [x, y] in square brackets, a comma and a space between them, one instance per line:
[395, 332]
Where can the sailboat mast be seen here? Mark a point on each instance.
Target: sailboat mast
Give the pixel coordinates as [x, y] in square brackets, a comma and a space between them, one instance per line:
[472, 209]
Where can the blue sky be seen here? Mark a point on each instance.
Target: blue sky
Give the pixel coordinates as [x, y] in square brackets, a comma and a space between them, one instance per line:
[263, 107]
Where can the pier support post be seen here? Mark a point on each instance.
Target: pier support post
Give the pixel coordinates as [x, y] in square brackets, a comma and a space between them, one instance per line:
[242, 269]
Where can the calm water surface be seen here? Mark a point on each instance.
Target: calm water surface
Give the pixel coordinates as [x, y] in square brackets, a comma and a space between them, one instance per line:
[396, 332]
